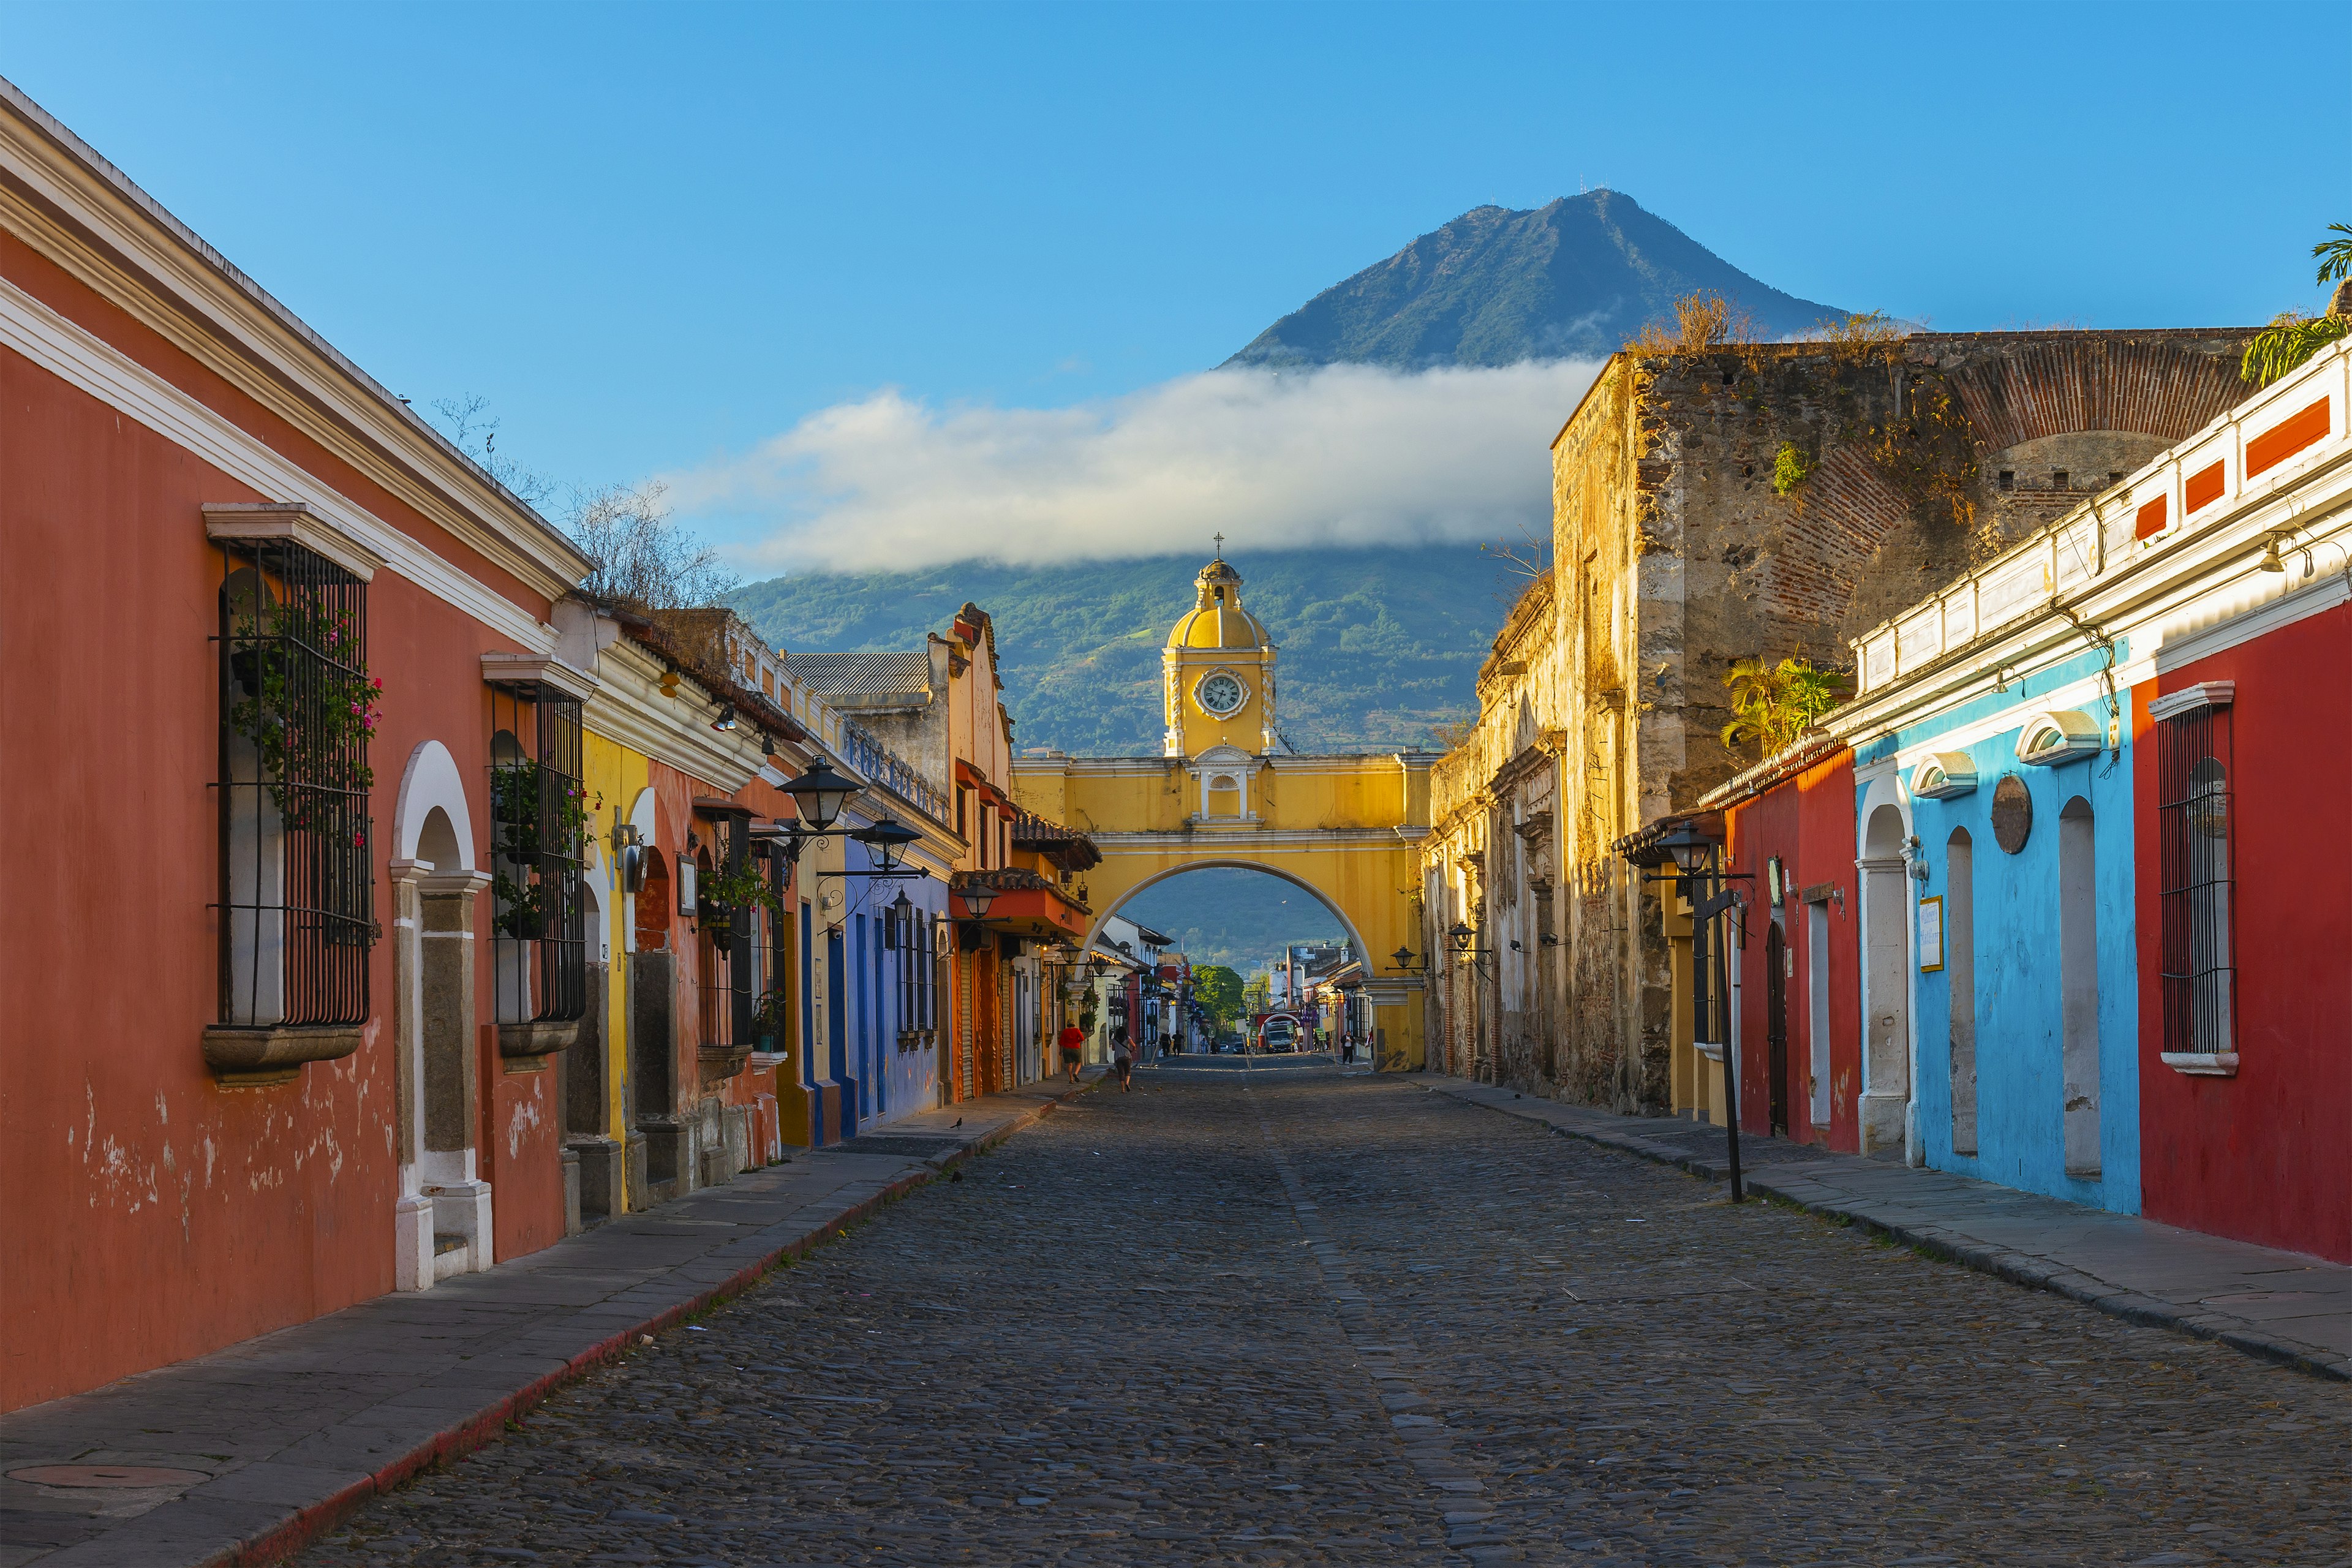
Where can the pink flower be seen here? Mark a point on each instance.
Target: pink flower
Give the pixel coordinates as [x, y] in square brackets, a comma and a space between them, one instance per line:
[358, 840]
[377, 684]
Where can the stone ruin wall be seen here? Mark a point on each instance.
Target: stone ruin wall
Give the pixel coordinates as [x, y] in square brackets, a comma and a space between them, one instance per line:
[1674, 558]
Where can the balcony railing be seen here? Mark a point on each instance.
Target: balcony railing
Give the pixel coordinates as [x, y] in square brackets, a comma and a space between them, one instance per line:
[882, 766]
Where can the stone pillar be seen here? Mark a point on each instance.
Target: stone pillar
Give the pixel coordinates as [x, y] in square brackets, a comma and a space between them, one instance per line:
[413, 1213]
[587, 1109]
[448, 1079]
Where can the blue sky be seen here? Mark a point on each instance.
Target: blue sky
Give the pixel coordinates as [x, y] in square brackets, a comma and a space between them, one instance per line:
[654, 237]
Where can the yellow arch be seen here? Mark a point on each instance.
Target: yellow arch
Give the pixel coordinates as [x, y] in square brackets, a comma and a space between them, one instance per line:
[1227, 863]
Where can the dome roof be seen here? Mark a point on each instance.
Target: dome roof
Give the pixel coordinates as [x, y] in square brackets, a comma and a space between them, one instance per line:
[1217, 620]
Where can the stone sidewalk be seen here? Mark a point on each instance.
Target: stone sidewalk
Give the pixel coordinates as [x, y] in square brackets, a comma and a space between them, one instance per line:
[243, 1454]
[2285, 1307]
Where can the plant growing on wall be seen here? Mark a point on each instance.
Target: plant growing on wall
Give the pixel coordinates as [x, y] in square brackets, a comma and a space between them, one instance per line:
[526, 813]
[769, 1013]
[1789, 468]
[1774, 704]
[722, 892]
[2293, 336]
[309, 706]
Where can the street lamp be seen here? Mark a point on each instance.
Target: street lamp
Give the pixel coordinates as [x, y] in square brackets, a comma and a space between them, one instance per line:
[1097, 964]
[1403, 957]
[887, 840]
[819, 795]
[977, 897]
[1462, 935]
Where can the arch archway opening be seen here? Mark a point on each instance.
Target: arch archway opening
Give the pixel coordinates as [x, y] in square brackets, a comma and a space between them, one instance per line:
[1253, 935]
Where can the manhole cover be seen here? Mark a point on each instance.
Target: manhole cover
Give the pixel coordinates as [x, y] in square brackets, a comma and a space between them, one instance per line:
[107, 1476]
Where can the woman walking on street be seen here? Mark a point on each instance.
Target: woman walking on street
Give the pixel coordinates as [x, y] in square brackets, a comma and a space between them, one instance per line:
[1073, 1041]
[1122, 1060]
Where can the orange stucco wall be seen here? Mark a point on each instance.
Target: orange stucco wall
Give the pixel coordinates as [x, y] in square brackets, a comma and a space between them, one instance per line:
[153, 1214]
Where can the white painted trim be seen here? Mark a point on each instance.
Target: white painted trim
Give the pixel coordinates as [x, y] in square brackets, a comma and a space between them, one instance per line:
[293, 521]
[1884, 768]
[1245, 841]
[431, 779]
[1954, 774]
[504, 668]
[2079, 735]
[2202, 1064]
[2284, 611]
[84, 361]
[2189, 698]
[2075, 694]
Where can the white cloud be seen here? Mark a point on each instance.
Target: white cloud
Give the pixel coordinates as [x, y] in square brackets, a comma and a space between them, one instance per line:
[1345, 455]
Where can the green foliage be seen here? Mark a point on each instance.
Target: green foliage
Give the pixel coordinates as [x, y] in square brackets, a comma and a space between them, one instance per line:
[1257, 992]
[2335, 255]
[515, 815]
[1378, 644]
[1774, 704]
[1218, 989]
[2286, 343]
[732, 887]
[1789, 468]
[307, 703]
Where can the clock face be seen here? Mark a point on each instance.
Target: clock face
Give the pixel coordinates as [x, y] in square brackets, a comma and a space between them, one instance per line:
[1221, 694]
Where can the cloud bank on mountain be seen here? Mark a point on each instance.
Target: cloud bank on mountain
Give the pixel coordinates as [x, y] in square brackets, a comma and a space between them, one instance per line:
[1338, 455]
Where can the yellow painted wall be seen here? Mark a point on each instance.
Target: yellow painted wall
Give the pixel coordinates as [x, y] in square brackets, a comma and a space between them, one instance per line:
[613, 777]
[1363, 868]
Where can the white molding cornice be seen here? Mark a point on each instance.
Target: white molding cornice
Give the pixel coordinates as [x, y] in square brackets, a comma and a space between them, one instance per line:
[82, 213]
[293, 521]
[507, 669]
[2189, 698]
[98, 368]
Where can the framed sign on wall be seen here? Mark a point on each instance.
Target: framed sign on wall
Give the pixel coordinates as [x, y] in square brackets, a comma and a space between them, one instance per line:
[1931, 934]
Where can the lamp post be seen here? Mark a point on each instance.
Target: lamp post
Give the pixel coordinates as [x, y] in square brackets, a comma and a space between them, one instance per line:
[1694, 857]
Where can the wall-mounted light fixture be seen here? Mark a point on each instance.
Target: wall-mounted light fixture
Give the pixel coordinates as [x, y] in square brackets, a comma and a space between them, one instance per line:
[726, 719]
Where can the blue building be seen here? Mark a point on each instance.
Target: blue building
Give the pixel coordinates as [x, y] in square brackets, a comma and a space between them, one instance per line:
[1993, 830]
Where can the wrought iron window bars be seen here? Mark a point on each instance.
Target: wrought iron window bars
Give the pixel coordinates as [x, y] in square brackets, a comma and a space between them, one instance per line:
[297, 707]
[539, 823]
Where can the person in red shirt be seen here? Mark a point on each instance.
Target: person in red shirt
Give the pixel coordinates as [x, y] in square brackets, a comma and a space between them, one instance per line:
[1073, 1044]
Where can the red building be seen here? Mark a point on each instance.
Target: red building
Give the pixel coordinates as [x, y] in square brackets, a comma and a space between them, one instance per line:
[1795, 950]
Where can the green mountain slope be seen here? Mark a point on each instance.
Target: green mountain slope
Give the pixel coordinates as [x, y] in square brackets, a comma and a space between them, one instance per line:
[1222, 914]
[1377, 646]
[1571, 280]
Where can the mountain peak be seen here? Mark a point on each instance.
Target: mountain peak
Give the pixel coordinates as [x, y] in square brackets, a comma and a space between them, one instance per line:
[1574, 279]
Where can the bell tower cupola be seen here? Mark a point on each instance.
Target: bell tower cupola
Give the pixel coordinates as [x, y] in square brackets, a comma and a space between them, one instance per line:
[1217, 684]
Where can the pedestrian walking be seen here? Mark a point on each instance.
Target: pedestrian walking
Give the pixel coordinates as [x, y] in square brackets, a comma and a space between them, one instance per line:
[1122, 1060]
[1073, 1041]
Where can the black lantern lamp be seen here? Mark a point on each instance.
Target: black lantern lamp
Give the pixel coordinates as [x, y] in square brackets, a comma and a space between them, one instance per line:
[887, 840]
[726, 719]
[1691, 848]
[977, 898]
[1462, 936]
[819, 795]
[1097, 964]
[1404, 959]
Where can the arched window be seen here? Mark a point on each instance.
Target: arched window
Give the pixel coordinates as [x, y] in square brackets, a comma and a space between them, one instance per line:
[1224, 796]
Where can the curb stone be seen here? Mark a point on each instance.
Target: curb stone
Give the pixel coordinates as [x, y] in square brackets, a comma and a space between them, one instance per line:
[1985, 1257]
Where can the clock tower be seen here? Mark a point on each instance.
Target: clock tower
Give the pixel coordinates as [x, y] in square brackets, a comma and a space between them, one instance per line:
[1217, 674]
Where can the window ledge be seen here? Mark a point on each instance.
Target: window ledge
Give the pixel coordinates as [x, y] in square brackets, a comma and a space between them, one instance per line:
[721, 1062]
[536, 1039]
[762, 1061]
[1713, 1053]
[254, 1058]
[2203, 1064]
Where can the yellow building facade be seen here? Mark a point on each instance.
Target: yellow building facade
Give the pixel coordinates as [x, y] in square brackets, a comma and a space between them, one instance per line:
[1226, 791]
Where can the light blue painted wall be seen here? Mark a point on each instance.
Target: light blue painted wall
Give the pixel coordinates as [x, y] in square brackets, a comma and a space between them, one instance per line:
[2020, 1132]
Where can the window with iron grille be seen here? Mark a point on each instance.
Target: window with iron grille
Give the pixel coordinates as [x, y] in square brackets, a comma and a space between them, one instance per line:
[2193, 793]
[539, 821]
[296, 709]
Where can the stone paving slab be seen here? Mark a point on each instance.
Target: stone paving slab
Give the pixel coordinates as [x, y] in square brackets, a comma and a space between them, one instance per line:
[2285, 1307]
[290, 1432]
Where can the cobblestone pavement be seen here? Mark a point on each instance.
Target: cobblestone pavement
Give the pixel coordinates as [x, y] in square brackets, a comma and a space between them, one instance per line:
[1280, 1316]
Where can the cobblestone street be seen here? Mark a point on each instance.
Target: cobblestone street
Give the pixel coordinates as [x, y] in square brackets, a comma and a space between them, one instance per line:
[1278, 1315]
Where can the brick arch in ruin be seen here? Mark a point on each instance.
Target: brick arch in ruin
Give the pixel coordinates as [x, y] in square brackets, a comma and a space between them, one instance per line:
[2034, 408]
